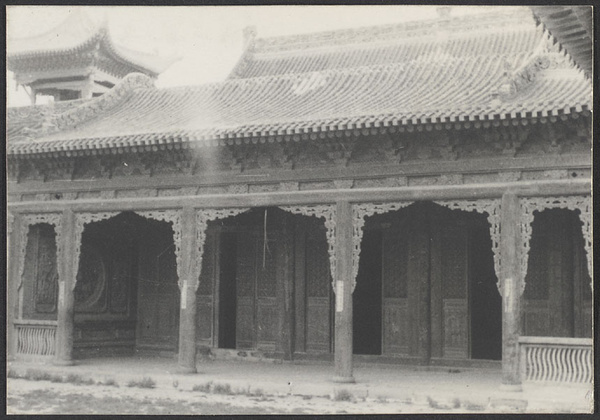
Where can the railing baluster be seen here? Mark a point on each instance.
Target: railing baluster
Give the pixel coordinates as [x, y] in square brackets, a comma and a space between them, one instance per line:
[552, 359]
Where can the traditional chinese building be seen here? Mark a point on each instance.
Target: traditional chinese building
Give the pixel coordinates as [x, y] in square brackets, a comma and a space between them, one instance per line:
[414, 193]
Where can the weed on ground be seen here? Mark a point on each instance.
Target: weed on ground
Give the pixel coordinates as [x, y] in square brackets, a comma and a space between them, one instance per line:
[342, 395]
[145, 382]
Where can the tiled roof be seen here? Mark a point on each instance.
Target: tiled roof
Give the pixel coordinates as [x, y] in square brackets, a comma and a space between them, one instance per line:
[571, 26]
[481, 80]
[77, 34]
[503, 31]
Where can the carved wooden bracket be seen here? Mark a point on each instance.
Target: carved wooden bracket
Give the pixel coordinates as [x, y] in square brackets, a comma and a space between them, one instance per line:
[203, 216]
[326, 211]
[359, 212]
[27, 220]
[531, 204]
[491, 207]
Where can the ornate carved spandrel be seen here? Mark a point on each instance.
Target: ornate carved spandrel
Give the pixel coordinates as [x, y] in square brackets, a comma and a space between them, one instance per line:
[326, 211]
[359, 212]
[581, 203]
[174, 218]
[203, 216]
[82, 219]
[28, 220]
[491, 207]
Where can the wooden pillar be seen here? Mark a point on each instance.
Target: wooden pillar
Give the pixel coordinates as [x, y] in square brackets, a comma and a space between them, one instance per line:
[420, 275]
[188, 286]
[15, 235]
[510, 244]
[67, 272]
[343, 293]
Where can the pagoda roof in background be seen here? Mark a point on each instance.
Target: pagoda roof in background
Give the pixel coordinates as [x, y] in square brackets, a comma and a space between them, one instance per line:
[76, 36]
[480, 71]
[571, 27]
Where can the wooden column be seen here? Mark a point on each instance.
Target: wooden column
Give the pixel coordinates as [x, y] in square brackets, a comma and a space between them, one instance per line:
[188, 286]
[67, 272]
[13, 245]
[343, 293]
[510, 244]
[420, 275]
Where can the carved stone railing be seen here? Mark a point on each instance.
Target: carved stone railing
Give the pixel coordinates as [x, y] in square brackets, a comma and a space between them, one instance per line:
[359, 212]
[576, 202]
[35, 338]
[556, 359]
[491, 207]
[328, 213]
[203, 216]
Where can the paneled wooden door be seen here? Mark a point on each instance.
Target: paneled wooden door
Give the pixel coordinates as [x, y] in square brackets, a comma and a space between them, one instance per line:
[257, 308]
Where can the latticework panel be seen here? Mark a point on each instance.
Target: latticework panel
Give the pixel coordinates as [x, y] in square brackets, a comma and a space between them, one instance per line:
[36, 340]
[557, 363]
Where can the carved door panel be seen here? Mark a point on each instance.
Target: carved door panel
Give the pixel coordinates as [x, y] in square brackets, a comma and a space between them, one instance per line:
[396, 325]
[205, 297]
[318, 292]
[246, 290]
[158, 301]
[267, 308]
[454, 276]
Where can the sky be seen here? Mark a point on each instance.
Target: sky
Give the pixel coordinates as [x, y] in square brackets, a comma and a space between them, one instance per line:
[207, 39]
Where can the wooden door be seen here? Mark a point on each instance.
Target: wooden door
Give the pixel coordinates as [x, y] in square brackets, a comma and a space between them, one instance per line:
[396, 317]
[158, 296]
[454, 288]
[257, 307]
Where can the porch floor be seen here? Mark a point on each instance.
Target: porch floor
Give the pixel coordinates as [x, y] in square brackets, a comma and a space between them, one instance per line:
[480, 386]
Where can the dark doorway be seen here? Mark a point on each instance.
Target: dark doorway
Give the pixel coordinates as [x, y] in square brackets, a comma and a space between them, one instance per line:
[486, 303]
[227, 290]
[367, 296]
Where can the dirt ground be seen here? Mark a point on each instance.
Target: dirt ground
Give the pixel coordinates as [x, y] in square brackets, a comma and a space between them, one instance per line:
[45, 397]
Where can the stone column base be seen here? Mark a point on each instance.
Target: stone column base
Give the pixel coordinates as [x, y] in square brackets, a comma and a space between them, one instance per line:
[344, 379]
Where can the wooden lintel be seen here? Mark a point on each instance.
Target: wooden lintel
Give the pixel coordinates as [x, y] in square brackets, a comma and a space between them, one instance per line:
[417, 193]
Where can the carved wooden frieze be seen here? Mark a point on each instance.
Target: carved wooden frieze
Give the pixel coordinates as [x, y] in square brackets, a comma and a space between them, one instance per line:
[490, 207]
[528, 205]
[359, 212]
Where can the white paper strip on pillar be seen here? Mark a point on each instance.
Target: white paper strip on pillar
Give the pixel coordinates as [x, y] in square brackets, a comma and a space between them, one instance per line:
[339, 296]
[184, 295]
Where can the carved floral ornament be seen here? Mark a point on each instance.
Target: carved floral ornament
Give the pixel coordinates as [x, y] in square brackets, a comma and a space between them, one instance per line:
[28, 220]
[528, 205]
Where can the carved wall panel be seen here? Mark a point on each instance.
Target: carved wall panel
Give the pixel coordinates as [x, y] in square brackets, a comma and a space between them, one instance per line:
[28, 220]
[529, 205]
[359, 212]
[90, 291]
[46, 281]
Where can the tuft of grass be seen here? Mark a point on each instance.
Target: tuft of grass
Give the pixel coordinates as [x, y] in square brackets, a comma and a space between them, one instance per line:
[382, 399]
[12, 374]
[37, 375]
[456, 403]
[342, 395]
[109, 382]
[145, 382]
[77, 379]
[56, 378]
[473, 407]
[224, 389]
[202, 387]
[258, 392]
[433, 403]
